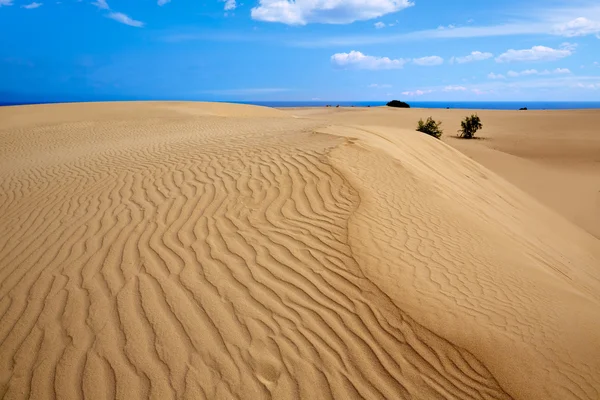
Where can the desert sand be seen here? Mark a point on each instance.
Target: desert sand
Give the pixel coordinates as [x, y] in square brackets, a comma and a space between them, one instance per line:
[552, 155]
[196, 250]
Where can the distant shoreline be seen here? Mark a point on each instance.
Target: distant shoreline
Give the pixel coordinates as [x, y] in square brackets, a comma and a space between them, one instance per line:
[466, 105]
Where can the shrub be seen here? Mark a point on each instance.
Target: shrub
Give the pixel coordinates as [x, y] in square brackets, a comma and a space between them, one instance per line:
[430, 127]
[398, 104]
[469, 126]
[523, 109]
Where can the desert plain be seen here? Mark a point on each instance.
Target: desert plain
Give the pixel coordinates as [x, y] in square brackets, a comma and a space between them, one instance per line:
[180, 250]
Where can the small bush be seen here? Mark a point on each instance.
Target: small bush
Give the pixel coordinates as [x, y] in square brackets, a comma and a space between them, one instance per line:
[523, 109]
[398, 104]
[430, 127]
[469, 126]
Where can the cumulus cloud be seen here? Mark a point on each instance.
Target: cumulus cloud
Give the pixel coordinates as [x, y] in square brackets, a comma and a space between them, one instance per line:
[302, 12]
[537, 53]
[380, 86]
[417, 93]
[31, 6]
[125, 19]
[474, 56]
[532, 72]
[6, 3]
[492, 75]
[578, 27]
[358, 60]
[379, 25]
[429, 61]
[453, 88]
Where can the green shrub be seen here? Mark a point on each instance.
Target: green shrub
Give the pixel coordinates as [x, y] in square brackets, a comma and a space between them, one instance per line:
[430, 127]
[398, 104]
[469, 126]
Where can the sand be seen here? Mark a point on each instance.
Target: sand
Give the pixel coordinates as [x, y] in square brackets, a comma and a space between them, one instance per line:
[552, 155]
[194, 250]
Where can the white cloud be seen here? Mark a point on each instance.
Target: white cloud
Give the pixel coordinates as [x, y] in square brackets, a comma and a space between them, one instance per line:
[529, 72]
[6, 3]
[429, 61]
[358, 60]
[163, 2]
[102, 4]
[558, 83]
[229, 5]
[453, 88]
[379, 25]
[125, 19]
[536, 53]
[32, 5]
[492, 75]
[417, 93]
[379, 86]
[474, 56]
[302, 12]
[578, 27]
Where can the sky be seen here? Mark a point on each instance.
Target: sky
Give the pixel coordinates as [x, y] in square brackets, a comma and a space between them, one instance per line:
[302, 50]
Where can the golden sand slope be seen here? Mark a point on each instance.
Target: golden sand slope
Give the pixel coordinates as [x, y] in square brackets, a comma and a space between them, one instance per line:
[177, 250]
[552, 155]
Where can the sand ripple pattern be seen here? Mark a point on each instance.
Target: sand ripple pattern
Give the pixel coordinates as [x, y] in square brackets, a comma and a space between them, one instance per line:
[198, 257]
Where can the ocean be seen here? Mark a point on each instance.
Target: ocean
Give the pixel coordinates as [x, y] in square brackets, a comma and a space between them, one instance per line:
[479, 105]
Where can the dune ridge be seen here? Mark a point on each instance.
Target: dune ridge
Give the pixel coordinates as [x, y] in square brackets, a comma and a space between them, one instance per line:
[182, 250]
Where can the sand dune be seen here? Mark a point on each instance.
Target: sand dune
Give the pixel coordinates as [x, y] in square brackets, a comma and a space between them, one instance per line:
[552, 155]
[181, 250]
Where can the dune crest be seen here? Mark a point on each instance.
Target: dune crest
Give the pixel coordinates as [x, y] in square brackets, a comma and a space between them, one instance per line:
[180, 250]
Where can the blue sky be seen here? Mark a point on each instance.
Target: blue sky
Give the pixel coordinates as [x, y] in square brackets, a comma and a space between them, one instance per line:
[299, 50]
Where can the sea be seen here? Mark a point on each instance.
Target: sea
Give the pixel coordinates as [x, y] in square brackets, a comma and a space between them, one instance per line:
[477, 105]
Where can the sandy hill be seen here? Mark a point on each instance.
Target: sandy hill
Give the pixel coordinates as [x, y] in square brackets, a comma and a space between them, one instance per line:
[552, 155]
[181, 250]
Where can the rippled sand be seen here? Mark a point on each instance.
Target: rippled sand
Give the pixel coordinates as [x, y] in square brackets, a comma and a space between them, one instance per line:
[190, 250]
